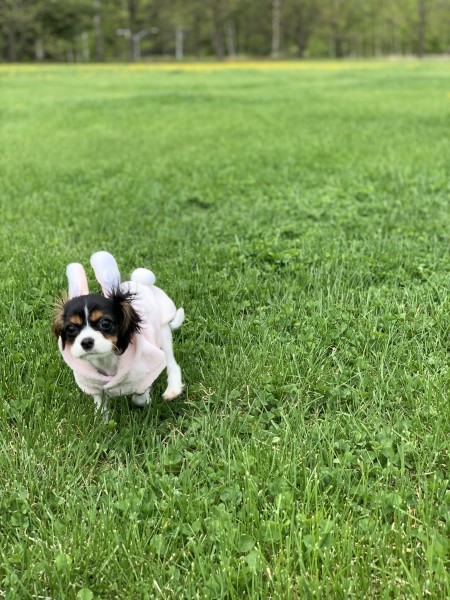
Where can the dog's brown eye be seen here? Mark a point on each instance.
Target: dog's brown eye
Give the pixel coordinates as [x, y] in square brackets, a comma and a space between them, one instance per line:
[105, 324]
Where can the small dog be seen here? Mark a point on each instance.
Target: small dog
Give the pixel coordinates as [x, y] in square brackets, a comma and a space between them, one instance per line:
[117, 344]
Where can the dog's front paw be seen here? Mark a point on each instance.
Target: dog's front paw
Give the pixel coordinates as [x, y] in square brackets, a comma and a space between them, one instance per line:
[172, 392]
[101, 408]
[142, 399]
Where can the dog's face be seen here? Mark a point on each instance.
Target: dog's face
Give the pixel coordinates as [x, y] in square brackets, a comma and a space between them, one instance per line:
[93, 325]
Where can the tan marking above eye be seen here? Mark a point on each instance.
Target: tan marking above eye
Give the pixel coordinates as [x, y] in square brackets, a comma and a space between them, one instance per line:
[76, 320]
[95, 315]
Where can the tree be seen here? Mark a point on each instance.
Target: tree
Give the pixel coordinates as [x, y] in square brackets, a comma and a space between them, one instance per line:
[16, 20]
[422, 11]
[302, 17]
[61, 23]
[98, 31]
[77, 29]
[276, 28]
[218, 20]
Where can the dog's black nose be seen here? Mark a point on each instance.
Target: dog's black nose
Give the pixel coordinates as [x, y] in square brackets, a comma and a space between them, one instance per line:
[87, 344]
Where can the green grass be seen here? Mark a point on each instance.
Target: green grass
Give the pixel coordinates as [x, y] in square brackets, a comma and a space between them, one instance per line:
[301, 217]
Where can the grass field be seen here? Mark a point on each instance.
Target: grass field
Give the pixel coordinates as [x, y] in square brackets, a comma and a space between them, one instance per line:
[300, 215]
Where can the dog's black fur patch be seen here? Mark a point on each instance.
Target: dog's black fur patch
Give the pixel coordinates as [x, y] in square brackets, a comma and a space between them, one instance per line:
[116, 312]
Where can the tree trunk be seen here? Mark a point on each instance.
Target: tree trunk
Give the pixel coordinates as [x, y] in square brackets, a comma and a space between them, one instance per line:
[98, 31]
[196, 34]
[85, 50]
[39, 51]
[276, 28]
[231, 38]
[12, 45]
[133, 6]
[301, 44]
[338, 47]
[422, 26]
[217, 30]
[300, 34]
[13, 29]
[179, 39]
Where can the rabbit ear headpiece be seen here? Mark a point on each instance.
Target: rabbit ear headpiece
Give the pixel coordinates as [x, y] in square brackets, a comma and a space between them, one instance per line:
[106, 271]
[78, 285]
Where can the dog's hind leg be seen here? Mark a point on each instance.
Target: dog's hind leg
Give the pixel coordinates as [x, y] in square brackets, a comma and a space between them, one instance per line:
[174, 383]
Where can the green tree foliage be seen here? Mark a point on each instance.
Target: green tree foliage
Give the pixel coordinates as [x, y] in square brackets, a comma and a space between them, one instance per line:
[65, 26]
[83, 30]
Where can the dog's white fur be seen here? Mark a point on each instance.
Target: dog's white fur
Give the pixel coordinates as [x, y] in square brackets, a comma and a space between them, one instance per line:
[107, 362]
[104, 349]
[105, 359]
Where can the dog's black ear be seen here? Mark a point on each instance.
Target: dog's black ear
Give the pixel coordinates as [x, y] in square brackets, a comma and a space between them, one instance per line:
[128, 320]
[58, 317]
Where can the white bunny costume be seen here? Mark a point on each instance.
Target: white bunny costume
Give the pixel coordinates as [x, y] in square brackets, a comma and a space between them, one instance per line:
[144, 359]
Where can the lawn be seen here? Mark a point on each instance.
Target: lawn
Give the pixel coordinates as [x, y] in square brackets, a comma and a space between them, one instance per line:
[300, 214]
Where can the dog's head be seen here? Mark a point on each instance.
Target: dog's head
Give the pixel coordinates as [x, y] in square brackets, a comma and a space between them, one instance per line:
[93, 325]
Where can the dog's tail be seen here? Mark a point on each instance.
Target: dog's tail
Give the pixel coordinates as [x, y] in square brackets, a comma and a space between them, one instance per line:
[177, 321]
[146, 277]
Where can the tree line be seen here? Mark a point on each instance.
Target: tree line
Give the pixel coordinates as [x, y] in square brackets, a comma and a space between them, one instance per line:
[107, 30]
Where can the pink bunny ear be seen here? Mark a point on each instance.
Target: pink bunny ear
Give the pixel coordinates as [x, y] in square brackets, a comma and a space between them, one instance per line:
[78, 285]
[106, 271]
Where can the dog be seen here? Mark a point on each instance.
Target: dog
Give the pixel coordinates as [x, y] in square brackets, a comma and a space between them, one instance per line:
[118, 343]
